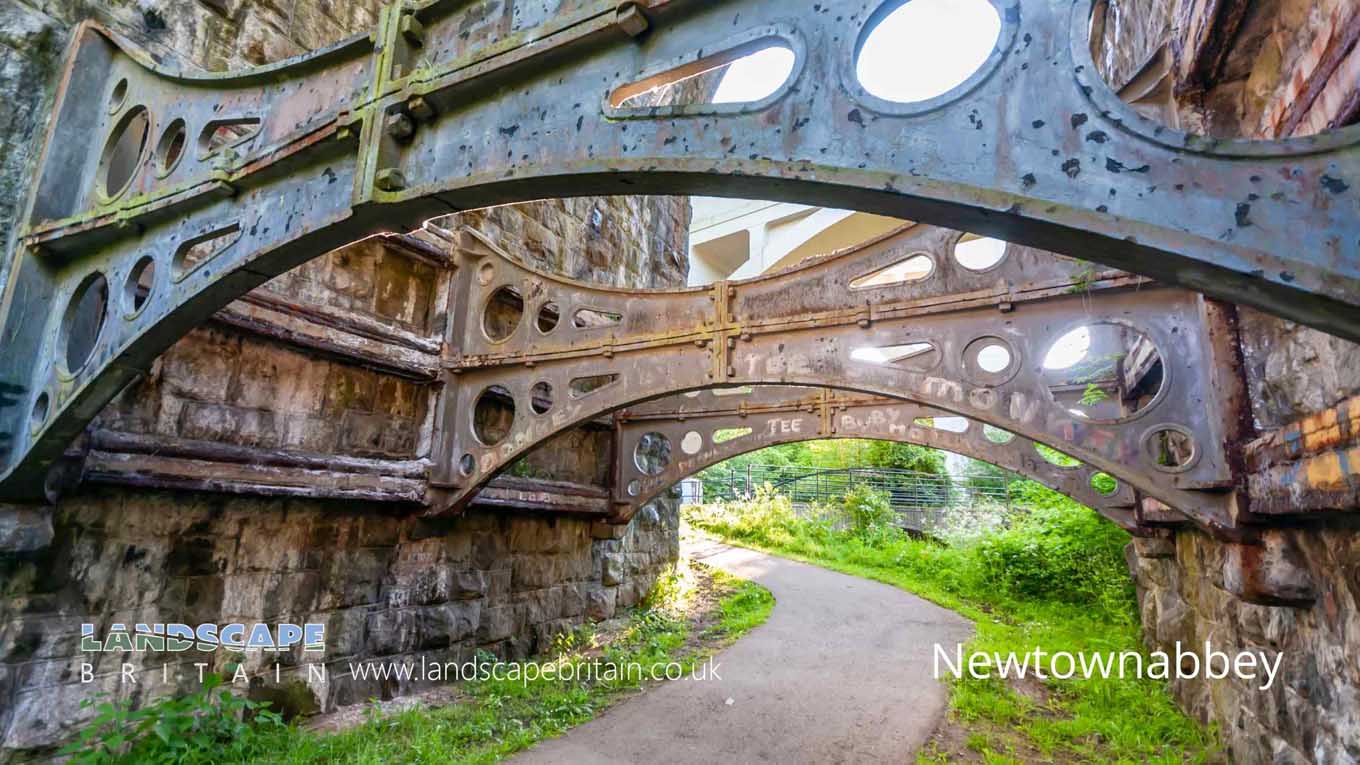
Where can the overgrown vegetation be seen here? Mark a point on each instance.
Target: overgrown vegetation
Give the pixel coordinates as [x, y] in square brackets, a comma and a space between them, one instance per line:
[1051, 577]
[492, 719]
[202, 727]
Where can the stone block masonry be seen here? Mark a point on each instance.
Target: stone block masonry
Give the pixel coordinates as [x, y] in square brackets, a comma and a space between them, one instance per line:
[389, 588]
[270, 465]
[1263, 70]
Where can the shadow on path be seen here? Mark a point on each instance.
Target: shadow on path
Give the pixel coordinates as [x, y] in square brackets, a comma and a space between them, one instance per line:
[841, 672]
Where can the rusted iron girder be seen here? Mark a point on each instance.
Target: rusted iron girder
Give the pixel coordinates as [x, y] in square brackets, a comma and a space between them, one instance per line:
[446, 107]
[664, 441]
[512, 385]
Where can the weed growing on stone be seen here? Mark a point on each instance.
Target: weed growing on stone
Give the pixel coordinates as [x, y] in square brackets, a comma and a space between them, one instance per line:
[200, 727]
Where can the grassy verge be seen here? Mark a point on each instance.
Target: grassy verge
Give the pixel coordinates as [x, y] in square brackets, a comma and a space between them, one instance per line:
[691, 613]
[1054, 580]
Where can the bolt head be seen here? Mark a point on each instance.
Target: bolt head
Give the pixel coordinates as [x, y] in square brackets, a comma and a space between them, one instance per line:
[390, 179]
[400, 126]
[630, 19]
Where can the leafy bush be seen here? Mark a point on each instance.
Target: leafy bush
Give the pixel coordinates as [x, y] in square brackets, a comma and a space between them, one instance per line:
[201, 727]
[1050, 576]
[867, 509]
[1060, 553]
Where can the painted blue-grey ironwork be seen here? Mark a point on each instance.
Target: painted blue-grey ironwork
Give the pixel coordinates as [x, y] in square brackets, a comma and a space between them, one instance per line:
[197, 188]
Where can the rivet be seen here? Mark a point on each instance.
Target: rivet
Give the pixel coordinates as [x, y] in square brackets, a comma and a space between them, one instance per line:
[390, 179]
[630, 19]
[400, 126]
[420, 109]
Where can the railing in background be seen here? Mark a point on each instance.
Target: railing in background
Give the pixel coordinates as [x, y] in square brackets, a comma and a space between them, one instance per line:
[916, 497]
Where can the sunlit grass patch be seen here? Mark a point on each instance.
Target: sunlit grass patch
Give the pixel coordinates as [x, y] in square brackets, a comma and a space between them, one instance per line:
[1054, 578]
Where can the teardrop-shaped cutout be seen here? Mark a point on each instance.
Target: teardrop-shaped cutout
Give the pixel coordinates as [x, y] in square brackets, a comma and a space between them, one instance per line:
[951, 424]
[590, 318]
[917, 357]
[913, 268]
[584, 386]
[225, 134]
[997, 435]
[747, 73]
[741, 390]
[722, 435]
[196, 251]
[1055, 457]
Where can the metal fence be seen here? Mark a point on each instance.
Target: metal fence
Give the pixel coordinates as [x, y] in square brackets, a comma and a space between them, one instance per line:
[916, 497]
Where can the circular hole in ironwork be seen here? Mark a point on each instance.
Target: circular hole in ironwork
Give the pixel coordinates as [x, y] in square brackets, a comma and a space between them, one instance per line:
[503, 313]
[692, 442]
[993, 358]
[634, 488]
[84, 320]
[170, 148]
[989, 361]
[140, 281]
[493, 415]
[1055, 457]
[39, 414]
[467, 464]
[997, 435]
[117, 95]
[124, 150]
[653, 453]
[977, 253]
[1171, 448]
[1103, 372]
[540, 398]
[548, 316]
[922, 49]
[1104, 484]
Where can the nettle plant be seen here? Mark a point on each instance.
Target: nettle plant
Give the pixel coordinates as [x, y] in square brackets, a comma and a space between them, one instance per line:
[197, 728]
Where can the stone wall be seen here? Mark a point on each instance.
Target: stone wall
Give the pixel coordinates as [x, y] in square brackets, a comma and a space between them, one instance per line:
[1312, 712]
[1265, 70]
[389, 588]
[333, 362]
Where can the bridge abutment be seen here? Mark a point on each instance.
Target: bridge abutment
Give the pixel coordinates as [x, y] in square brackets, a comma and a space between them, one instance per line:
[389, 588]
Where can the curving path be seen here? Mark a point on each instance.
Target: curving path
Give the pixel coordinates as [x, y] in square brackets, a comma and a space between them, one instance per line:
[841, 672]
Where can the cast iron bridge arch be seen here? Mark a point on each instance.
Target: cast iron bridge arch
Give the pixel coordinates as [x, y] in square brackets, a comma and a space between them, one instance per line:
[242, 176]
[713, 426]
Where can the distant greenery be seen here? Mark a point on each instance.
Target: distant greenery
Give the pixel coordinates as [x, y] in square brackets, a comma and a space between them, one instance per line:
[497, 718]
[846, 452]
[836, 453]
[1052, 577]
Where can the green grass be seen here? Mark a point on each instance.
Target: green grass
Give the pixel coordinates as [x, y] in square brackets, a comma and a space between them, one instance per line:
[1055, 580]
[499, 717]
[748, 606]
